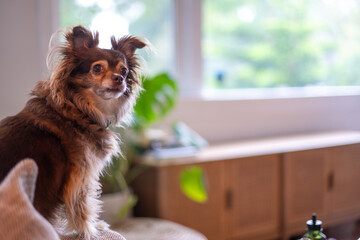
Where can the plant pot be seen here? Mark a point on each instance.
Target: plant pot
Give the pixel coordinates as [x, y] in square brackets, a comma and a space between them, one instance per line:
[116, 206]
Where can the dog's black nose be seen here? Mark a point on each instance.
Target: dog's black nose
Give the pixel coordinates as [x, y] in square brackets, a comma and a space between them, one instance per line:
[116, 77]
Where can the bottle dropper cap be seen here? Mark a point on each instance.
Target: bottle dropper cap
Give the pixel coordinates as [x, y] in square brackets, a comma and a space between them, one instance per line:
[314, 224]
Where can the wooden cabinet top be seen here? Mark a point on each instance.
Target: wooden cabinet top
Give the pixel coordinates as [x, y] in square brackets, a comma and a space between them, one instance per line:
[264, 146]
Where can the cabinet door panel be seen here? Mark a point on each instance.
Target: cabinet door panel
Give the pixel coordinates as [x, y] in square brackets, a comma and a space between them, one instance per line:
[254, 186]
[345, 191]
[305, 182]
[205, 217]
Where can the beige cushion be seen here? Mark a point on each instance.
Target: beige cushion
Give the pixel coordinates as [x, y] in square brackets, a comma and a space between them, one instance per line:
[156, 229]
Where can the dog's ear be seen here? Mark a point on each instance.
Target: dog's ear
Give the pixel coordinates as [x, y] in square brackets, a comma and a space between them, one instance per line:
[80, 37]
[127, 45]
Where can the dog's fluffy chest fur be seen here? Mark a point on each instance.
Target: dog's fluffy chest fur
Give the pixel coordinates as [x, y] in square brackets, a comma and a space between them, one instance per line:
[70, 155]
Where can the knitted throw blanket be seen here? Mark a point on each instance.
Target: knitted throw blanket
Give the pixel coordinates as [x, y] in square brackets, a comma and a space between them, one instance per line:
[19, 219]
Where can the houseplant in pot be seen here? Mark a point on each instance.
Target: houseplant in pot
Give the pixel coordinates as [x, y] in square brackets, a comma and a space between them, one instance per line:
[157, 99]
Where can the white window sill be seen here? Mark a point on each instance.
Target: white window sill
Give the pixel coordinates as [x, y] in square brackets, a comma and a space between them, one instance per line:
[280, 93]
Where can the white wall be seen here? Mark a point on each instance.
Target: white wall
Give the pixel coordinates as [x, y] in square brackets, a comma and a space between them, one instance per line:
[25, 27]
[223, 121]
[19, 56]
[24, 37]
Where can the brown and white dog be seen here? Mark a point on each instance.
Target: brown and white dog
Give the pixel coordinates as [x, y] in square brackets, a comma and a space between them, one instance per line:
[64, 127]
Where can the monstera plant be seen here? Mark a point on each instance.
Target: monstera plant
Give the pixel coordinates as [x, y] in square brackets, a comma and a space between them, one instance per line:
[156, 100]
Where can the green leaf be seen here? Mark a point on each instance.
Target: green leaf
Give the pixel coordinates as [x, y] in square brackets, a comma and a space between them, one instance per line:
[156, 101]
[192, 184]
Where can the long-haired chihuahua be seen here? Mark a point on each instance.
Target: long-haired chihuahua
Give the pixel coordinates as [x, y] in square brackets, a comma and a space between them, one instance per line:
[64, 127]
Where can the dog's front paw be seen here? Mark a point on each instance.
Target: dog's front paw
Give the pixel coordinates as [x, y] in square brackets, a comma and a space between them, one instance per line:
[102, 226]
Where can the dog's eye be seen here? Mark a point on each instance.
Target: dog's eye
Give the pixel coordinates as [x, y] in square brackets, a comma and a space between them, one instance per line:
[97, 68]
[123, 71]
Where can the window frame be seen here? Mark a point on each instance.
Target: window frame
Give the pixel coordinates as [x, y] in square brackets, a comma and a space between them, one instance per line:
[188, 48]
[236, 114]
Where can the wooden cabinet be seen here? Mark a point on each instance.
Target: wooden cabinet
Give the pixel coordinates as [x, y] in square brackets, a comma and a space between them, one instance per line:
[243, 198]
[205, 217]
[160, 196]
[261, 189]
[344, 185]
[305, 183]
[253, 198]
[324, 181]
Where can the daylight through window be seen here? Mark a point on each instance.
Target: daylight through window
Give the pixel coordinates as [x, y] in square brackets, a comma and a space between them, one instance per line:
[150, 19]
[280, 43]
[245, 44]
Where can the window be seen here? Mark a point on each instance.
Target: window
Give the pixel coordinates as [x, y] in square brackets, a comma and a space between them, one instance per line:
[197, 50]
[152, 19]
[211, 45]
[280, 43]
